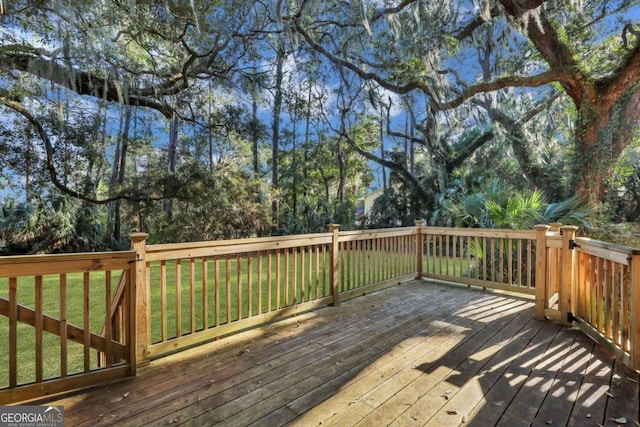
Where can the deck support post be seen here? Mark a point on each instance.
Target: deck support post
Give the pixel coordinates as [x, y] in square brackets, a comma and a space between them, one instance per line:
[566, 298]
[139, 315]
[541, 271]
[334, 254]
[419, 247]
[635, 311]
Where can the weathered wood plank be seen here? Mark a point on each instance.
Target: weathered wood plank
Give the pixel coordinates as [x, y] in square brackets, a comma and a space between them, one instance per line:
[388, 389]
[397, 368]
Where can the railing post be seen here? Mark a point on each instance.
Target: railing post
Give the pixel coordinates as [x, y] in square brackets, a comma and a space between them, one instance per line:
[567, 285]
[419, 245]
[635, 311]
[139, 316]
[334, 254]
[541, 271]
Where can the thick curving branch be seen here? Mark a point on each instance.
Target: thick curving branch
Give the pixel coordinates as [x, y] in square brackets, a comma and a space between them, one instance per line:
[87, 83]
[18, 107]
[551, 76]
[14, 103]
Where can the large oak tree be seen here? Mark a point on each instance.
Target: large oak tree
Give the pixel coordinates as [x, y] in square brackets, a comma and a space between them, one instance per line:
[587, 51]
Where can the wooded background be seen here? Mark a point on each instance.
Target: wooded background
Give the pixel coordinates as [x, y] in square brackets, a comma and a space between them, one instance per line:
[197, 120]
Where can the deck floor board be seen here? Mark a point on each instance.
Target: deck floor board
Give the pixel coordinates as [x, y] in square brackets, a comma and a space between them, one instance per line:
[419, 354]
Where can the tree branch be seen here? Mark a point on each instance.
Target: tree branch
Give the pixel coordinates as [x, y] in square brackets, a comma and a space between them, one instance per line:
[625, 79]
[14, 103]
[86, 83]
[18, 107]
[366, 75]
[547, 41]
[554, 75]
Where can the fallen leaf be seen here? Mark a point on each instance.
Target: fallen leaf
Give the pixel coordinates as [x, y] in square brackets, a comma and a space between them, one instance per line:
[621, 420]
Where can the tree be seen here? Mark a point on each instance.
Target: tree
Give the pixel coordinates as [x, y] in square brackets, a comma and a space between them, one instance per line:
[148, 55]
[588, 53]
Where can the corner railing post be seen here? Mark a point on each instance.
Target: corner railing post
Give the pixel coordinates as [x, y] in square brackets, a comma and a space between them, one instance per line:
[419, 247]
[635, 311]
[334, 254]
[567, 285]
[139, 317]
[553, 263]
[541, 271]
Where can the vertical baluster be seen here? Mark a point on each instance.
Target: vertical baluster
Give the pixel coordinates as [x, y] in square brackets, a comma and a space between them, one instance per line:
[260, 284]
[249, 284]
[227, 275]
[192, 293]
[216, 286]
[163, 300]
[38, 326]
[63, 326]
[239, 285]
[108, 332]
[205, 293]
[178, 300]
[86, 323]
[13, 332]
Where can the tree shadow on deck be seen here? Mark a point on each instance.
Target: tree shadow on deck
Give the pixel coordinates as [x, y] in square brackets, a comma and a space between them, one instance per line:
[416, 354]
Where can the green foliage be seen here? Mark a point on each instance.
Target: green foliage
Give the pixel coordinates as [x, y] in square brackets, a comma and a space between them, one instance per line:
[390, 209]
[478, 201]
[309, 217]
[227, 204]
[572, 211]
[49, 224]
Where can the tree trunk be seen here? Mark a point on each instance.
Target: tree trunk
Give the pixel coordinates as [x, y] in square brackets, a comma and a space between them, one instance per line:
[603, 130]
[277, 107]
[384, 170]
[255, 135]
[118, 174]
[172, 156]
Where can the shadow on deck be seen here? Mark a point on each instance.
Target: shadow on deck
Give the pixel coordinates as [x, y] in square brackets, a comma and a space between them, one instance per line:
[415, 354]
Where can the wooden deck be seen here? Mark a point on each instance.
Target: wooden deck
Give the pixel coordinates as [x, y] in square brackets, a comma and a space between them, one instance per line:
[415, 354]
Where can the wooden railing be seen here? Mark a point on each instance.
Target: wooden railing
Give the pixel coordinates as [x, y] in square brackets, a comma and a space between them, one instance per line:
[607, 296]
[493, 259]
[201, 291]
[595, 285]
[53, 312]
[190, 293]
